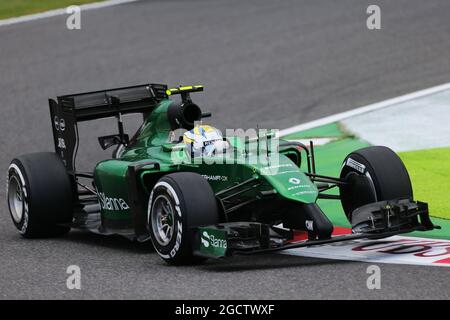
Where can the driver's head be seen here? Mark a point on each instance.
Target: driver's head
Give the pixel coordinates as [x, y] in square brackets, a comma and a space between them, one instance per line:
[204, 141]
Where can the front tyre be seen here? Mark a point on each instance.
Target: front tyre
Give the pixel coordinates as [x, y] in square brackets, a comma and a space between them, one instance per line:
[179, 202]
[39, 195]
[373, 174]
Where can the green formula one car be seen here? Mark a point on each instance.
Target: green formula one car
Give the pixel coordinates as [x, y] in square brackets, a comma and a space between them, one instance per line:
[194, 193]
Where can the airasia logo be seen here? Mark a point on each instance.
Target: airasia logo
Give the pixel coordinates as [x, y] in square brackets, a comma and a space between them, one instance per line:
[395, 249]
[437, 250]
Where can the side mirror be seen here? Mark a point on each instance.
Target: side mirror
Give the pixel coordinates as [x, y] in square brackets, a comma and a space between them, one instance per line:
[111, 140]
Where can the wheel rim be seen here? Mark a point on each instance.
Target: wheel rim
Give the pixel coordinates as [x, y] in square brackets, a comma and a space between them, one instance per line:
[163, 220]
[16, 200]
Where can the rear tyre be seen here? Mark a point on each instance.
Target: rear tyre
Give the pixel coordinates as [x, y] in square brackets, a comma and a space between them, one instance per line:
[39, 195]
[373, 174]
[179, 202]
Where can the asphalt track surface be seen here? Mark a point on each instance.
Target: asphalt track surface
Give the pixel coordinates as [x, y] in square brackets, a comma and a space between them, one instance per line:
[270, 63]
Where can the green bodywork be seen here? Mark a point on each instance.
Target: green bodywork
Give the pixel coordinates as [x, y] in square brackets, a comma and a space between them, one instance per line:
[277, 172]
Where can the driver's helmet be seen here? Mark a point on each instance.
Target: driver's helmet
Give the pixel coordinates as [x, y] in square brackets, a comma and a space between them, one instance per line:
[204, 140]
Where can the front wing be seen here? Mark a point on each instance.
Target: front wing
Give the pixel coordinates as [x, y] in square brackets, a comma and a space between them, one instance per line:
[381, 219]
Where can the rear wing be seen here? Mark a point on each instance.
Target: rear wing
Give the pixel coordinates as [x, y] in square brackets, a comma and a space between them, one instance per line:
[68, 110]
[109, 103]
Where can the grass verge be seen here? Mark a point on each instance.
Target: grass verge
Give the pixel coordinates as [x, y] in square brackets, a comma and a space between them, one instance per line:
[16, 8]
[430, 174]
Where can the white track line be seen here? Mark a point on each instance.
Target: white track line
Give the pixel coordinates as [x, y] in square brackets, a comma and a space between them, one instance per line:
[379, 105]
[62, 11]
